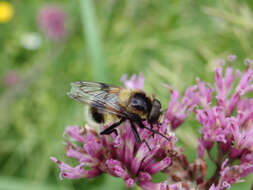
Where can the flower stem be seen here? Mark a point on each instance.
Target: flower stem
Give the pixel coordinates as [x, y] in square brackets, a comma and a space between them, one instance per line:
[216, 176]
[92, 38]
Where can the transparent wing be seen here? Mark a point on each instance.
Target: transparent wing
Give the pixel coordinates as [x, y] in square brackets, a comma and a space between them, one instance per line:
[102, 96]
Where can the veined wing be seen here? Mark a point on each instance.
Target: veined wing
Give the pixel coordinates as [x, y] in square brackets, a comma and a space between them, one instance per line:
[99, 95]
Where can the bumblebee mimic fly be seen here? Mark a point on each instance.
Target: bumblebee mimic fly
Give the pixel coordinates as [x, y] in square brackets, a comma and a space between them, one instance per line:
[111, 104]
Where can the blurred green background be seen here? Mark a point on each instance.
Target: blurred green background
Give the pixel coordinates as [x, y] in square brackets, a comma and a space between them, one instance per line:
[169, 41]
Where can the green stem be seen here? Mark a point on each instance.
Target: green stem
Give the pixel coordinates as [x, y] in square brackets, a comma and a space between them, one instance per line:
[218, 162]
[94, 45]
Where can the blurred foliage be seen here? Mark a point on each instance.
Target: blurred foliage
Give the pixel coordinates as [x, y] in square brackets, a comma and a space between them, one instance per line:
[170, 42]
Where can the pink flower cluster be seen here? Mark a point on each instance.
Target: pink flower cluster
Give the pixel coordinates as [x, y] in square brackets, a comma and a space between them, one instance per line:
[53, 22]
[226, 119]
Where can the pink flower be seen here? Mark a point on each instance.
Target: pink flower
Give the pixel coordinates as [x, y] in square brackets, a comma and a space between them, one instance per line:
[10, 79]
[214, 188]
[245, 112]
[228, 123]
[178, 111]
[224, 87]
[76, 172]
[120, 156]
[204, 94]
[215, 124]
[218, 124]
[242, 139]
[202, 145]
[52, 21]
[134, 82]
[233, 174]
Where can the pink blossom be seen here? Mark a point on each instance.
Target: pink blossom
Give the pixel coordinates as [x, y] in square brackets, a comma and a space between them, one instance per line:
[76, 172]
[134, 82]
[178, 111]
[11, 78]
[215, 124]
[204, 94]
[214, 188]
[52, 21]
[233, 174]
[119, 156]
[224, 87]
[242, 139]
[228, 123]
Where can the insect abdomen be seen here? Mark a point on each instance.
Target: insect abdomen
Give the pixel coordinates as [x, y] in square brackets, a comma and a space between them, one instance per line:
[96, 115]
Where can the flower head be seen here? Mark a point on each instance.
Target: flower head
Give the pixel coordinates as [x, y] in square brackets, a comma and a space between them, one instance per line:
[232, 174]
[30, 41]
[134, 82]
[52, 21]
[11, 78]
[120, 156]
[178, 111]
[6, 12]
[230, 121]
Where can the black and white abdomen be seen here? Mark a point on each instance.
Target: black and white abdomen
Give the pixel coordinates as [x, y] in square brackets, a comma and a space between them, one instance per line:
[97, 115]
[97, 118]
[93, 118]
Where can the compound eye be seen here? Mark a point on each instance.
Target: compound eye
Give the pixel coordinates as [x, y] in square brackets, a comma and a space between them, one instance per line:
[155, 112]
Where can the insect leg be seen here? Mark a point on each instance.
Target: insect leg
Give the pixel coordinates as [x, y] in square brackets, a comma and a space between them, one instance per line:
[135, 132]
[151, 126]
[156, 132]
[112, 129]
[136, 135]
[138, 120]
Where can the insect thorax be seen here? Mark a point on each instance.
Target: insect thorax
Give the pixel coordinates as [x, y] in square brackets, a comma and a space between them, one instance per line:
[135, 101]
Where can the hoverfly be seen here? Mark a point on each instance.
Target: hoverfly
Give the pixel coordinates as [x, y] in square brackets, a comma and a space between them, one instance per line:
[111, 104]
